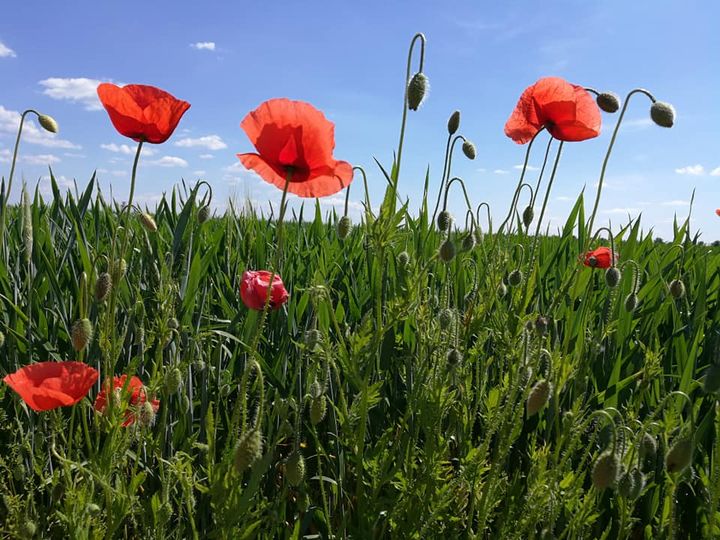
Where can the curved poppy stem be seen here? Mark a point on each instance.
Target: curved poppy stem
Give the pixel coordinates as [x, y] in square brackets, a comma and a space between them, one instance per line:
[636, 274]
[209, 193]
[467, 199]
[368, 209]
[489, 219]
[613, 253]
[347, 199]
[446, 170]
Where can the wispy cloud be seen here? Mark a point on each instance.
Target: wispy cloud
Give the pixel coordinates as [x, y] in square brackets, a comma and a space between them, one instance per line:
[692, 170]
[501, 171]
[621, 211]
[76, 90]
[199, 173]
[206, 156]
[6, 52]
[126, 149]
[10, 122]
[203, 45]
[211, 142]
[30, 159]
[169, 161]
[528, 168]
[676, 202]
[715, 172]
[114, 173]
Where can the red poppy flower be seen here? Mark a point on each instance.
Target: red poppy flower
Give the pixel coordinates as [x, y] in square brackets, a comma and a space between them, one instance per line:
[567, 111]
[49, 385]
[143, 113]
[600, 258]
[294, 138]
[137, 393]
[254, 287]
[717, 211]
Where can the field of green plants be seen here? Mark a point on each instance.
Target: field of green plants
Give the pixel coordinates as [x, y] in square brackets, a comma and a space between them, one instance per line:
[428, 375]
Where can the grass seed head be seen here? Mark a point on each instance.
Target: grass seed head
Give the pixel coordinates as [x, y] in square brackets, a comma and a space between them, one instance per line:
[605, 470]
[679, 456]
[248, 450]
[417, 90]
[612, 276]
[453, 123]
[538, 398]
[608, 102]
[295, 468]
[447, 251]
[81, 334]
[515, 278]
[711, 382]
[103, 286]
[469, 150]
[663, 114]
[677, 288]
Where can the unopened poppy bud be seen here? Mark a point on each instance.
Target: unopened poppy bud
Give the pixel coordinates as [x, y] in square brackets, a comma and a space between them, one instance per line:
[146, 414]
[528, 216]
[454, 357]
[612, 276]
[318, 407]
[679, 456]
[711, 384]
[605, 471]
[311, 338]
[103, 286]
[444, 220]
[417, 90]
[403, 259]
[48, 123]
[446, 318]
[447, 251]
[203, 214]
[453, 122]
[631, 302]
[434, 301]
[538, 397]
[663, 114]
[2, 339]
[316, 389]
[248, 450]
[626, 485]
[501, 290]
[148, 222]
[343, 227]
[118, 271]
[638, 483]
[648, 448]
[28, 529]
[677, 288]
[173, 380]
[81, 334]
[93, 509]
[541, 325]
[173, 323]
[295, 468]
[468, 242]
[468, 149]
[515, 278]
[608, 102]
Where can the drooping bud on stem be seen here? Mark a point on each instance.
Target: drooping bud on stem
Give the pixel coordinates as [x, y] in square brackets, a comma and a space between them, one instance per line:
[417, 90]
[48, 123]
[663, 114]
[608, 102]
[453, 123]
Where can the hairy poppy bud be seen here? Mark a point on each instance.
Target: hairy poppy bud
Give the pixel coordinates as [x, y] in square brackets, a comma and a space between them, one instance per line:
[81, 334]
[626, 485]
[93, 509]
[538, 397]
[677, 288]
[118, 270]
[248, 450]
[48, 123]
[631, 302]
[468, 149]
[28, 529]
[608, 102]
[638, 483]
[446, 318]
[148, 222]
[679, 456]
[541, 325]
[173, 380]
[528, 215]
[173, 323]
[343, 227]
[468, 242]
[444, 220]
[295, 468]
[203, 214]
[2, 339]
[146, 414]
[417, 90]
[711, 384]
[454, 357]
[316, 389]
[318, 407]
[501, 290]
[648, 451]
[612, 276]
[311, 338]
[663, 114]
[515, 277]
[103, 286]
[605, 470]
[403, 259]
[447, 251]
[453, 122]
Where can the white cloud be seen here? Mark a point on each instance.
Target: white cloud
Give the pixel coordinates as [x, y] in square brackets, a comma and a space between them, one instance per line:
[76, 90]
[529, 168]
[203, 45]
[6, 52]
[481, 170]
[199, 173]
[74, 155]
[10, 121]
[211, 142]
[114, 173]
[235, 167]
[715, 172]
[169, 161]
[676, 202]
[206, 156]
[500, 171]
[692, 170]
[39, 159]
[127, 149]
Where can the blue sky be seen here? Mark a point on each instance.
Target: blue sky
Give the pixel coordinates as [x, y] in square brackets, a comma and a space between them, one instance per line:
[348, 59]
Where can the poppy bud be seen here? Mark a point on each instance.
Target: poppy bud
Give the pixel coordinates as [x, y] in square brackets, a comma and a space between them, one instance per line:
[173, 323]
[173, 380]
[515, 278]
[28, 529]
[203, 214]
[318, 407]
[528, 215]
[468, 242]
[103, 286]
[434, 301]
[118, 270]
[295, 468]
[711, 384]
[541, 325]
[446, 318]
[311, 338]
[48, 123]
[81, 334]
[679, 456]
[638, 483]
[663, 114]
[605, 471]
[631, 302]
[612, 276]
[93, 509]
[454, 357]
[447, 251]
[468, 149]
[148, 222]
[248, 450]
[444, 220]
[343, 227]
[626, 485]
[538, 397]
[453, 122]
[316, 389]
[2, 339]
[146, 414]
[416, 91]
[677, 288]
[501, 290]
[608, 102]
[199, 365]
[648, 448]
[403, 259]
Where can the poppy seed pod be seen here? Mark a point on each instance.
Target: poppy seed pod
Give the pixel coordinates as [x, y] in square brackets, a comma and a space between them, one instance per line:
[148, 222]
[468, 149]
[679, 456]
[444, 220]
[248, 450]
[447, 251]
[446, 318]
[605, 470]
[203, 214]
[711, 382]
[663, 114]
[528, 216]
[468, 242]
[48, 123]
[295, 468]
[417, 90]
[81, 334]
[677, 288]
[612, 277]
[454, 357]
[343, 227]
[631, 302]
[515, 277]
[453, 123]
[608, 102]
[538, 397]
[318, 407]
[103, 286]
[403, 259]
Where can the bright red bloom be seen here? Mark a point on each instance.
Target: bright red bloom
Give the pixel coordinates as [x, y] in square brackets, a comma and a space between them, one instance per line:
[600, 258]
[137, 393]
[294, 139]
[254, 287]
[49, 385]
[717, 211]
[567, 111]
[143, 113]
